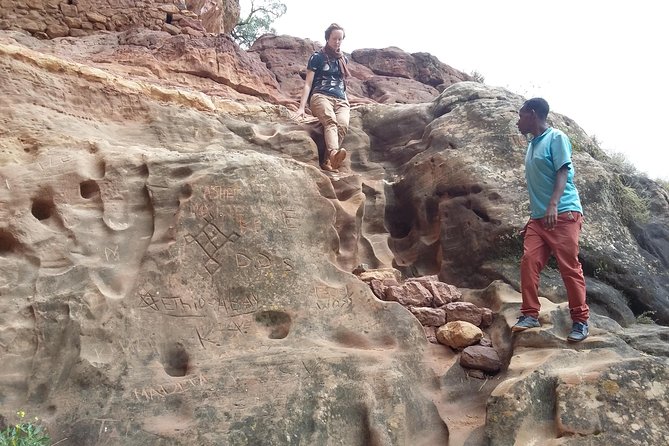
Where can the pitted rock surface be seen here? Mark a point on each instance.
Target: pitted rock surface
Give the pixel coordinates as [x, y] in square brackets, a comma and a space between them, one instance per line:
[170, 251]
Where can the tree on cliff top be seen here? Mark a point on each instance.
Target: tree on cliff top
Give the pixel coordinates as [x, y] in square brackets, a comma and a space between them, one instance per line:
[257, 22]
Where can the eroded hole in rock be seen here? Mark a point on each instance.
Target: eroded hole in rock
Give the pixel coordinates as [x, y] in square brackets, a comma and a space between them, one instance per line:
[182, 172]
[186, 192]
[351, 339]
[7, 242]
[89, 189]
[168, 18]
[101, 169]
[401, 213]
[482, 214]
[143, 170]
[400, 219]
[431, 208]
[278, 323]
[387, 341]
[39, 393]
[457, 191]
[176, 360]
[42, 208]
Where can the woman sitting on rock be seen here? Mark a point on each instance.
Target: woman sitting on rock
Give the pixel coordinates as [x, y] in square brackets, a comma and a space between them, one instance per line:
[325, 90]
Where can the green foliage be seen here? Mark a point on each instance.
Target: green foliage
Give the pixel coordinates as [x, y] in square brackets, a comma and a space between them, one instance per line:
[601, 266]
[24, 433]
[622, 164]
[258, 21]
[478, 77]
[580, 142]
[664, 184]
[645, 318]
[631, 206]
[628, 190]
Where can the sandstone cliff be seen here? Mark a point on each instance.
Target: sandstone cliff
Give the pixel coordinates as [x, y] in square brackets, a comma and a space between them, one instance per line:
[177, 270]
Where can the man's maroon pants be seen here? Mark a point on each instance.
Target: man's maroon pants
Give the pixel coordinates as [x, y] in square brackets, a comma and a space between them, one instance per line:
[562, 242]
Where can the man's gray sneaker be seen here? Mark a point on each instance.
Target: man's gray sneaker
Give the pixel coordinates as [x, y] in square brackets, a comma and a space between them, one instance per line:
[579, 331]
[525, 322]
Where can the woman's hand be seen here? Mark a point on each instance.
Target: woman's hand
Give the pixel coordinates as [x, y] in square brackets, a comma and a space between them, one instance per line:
[299, 115]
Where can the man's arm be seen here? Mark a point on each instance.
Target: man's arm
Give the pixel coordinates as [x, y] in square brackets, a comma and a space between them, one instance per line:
[558, 189]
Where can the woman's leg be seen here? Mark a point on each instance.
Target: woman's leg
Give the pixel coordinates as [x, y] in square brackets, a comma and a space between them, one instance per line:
[343, 113]
[322, 107]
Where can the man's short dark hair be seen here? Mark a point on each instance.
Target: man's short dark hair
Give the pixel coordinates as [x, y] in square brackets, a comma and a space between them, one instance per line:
[539, 105]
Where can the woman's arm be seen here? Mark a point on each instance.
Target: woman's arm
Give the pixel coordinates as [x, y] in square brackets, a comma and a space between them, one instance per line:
[308, 82]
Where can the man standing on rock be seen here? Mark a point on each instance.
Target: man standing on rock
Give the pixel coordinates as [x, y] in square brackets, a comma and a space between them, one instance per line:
[555, 221]
[325, 90]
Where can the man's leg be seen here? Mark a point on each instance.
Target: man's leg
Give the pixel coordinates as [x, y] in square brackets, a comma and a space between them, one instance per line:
[535, 255]
[564, 242]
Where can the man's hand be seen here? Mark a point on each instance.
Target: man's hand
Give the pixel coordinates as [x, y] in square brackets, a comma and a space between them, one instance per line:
[550, 220]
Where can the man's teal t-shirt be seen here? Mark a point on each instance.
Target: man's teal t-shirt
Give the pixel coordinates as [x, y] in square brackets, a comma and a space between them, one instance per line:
[546, 154]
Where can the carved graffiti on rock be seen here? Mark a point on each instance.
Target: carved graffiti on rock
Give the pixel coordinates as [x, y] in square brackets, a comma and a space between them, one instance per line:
[211, 239]
[174, 306]
[211, 334]
[262, 261]
[52, 162]
[334, 299]
[112, 254]
[148, 393]
[135, 347]
[290, 218]
[220, 193]
[238, 301]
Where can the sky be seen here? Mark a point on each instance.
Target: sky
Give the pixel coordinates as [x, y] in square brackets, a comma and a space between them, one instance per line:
[602, 63]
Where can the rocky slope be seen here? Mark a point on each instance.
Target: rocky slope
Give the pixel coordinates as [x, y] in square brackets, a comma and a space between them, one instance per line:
[177, 270]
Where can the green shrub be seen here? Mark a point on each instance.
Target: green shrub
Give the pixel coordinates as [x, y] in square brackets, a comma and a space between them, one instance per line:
[477, 77]
[622, 164]
[24, 433]
[631, 206]
[645, 318]
[261, 15]
[663, 183]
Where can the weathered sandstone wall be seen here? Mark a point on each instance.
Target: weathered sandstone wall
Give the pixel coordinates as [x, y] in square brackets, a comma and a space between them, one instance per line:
[49, 19]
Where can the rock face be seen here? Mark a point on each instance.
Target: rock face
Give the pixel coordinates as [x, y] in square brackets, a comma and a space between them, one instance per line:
[50, 19]
[178, 285]
[614, 405]
[385, 76]
[170, 251]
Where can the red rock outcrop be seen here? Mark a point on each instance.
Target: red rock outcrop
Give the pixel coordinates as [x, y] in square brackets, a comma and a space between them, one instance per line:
[60, 18]
[170, 250]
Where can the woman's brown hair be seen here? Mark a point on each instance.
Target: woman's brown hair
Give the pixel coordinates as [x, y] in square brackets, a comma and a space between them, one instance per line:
[331, 28]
